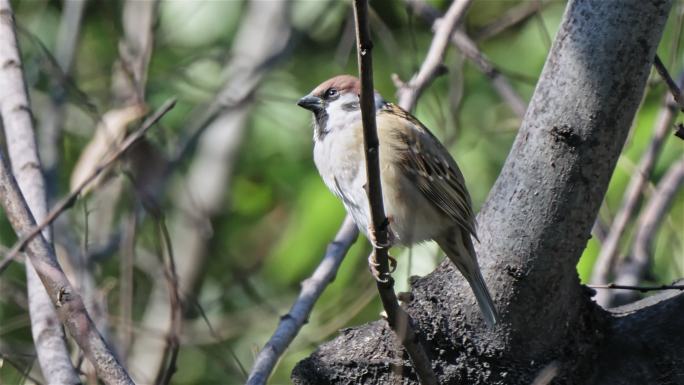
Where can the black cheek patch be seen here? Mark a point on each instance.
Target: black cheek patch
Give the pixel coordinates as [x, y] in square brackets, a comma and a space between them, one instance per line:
[351, 106]
[321, 122]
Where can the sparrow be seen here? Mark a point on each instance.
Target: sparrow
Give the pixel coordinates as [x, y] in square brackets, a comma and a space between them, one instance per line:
[423, 190]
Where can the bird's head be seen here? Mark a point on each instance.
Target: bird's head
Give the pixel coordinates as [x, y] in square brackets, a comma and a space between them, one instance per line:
[335, 104]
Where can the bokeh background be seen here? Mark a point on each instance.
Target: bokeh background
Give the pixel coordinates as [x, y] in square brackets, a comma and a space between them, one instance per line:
[270, 216]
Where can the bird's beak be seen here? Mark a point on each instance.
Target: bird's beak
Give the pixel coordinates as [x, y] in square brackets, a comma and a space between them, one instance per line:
[311, 103]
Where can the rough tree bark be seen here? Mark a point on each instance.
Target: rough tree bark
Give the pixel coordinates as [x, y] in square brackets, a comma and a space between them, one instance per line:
[533, 228]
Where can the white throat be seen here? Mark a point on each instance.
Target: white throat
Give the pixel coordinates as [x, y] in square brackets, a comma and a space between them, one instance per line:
[341, 114]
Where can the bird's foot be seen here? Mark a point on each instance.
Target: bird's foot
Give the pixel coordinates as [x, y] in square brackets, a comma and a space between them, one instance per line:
[373, 267]
[374, 240]
[392, 263]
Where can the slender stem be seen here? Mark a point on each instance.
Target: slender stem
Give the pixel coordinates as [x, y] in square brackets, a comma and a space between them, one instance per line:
[397, 318]
[312, 288]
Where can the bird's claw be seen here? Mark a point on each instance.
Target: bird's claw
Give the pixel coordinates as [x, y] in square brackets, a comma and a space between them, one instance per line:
[392, 263]
[373, 267]
[374, 241]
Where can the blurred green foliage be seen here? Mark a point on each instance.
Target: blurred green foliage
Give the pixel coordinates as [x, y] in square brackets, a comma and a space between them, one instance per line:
[278, 216]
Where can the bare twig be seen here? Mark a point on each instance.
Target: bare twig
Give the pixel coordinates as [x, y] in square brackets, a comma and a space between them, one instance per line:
[397, 318]
[652, 215]
[408, 93]
[173, 345]
[312, 288]
[642, 289]
[470, 50]
[510, 18]
[609, 249]
[69, 200]
[135, 50]
[674, 90]
[68, 303]
[671, 85]
[127, 256]
[52, 114]
[215, 137]
[636, 266]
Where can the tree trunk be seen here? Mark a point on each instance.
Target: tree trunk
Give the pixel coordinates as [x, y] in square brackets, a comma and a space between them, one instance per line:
[533, 228]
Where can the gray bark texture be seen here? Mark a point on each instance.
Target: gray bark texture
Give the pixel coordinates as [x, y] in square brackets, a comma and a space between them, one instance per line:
[533, 228]
[15, 113]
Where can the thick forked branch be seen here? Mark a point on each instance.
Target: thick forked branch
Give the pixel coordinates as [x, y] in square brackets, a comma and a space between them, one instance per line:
[533, 229]
[397, 318]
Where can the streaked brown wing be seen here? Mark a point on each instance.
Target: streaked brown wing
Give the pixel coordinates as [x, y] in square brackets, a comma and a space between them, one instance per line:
[428, 163]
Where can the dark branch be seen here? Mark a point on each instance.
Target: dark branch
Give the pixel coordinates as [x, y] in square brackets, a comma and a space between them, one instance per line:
[397, 318]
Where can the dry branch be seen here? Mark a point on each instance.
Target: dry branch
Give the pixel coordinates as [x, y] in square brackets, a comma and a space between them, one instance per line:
[69, 200]
[216, 138]
[408, 93]
[470, 50]
[605, 262]
[69, 305]
[636, 266]
[312, 288]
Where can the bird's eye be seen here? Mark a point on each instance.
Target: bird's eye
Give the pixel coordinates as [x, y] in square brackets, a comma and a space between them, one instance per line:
[330, 93]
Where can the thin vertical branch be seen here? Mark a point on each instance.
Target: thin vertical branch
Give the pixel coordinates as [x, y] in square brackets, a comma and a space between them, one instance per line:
[52, 115]
[397, 318]
[176, 306]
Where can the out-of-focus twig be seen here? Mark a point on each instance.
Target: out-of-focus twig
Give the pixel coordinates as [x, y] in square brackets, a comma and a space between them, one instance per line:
[408, 93]
[510, 18]
[173, 336]
[52, 114]
[609, 248]
[135, 50]
[22, 205]
[67, 301]
[312, 288]
[651, 217]
[470, 50]
[399, 321]
[636, 266]
[69, 200]
[216, 137]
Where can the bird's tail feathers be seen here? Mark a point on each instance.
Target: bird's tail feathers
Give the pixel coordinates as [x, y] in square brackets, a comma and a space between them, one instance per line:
[461, 252]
